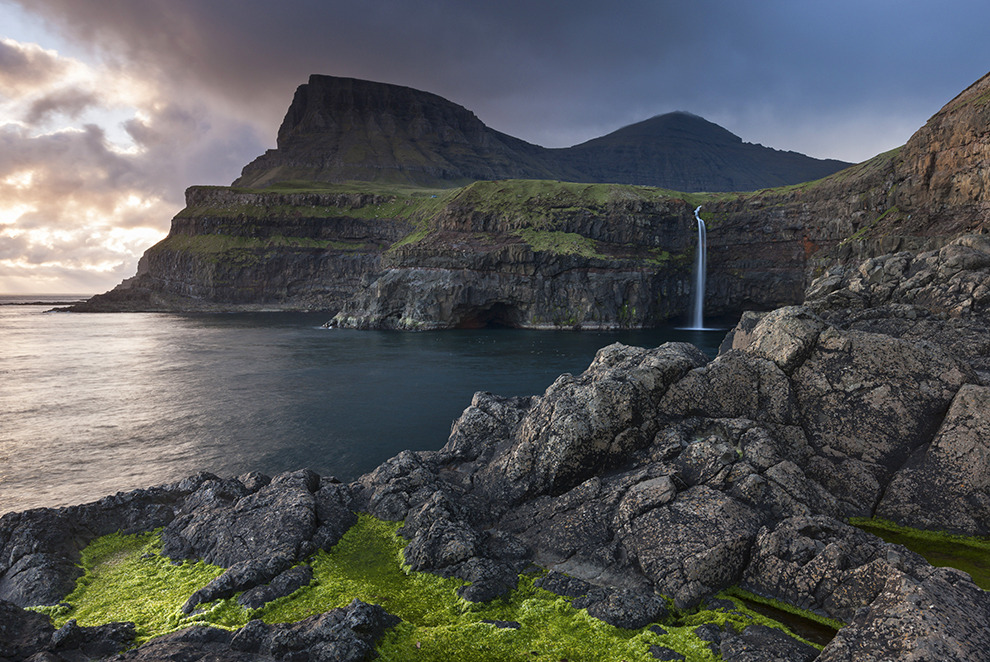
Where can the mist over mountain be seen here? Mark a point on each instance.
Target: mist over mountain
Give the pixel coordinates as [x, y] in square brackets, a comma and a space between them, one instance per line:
[340, 129]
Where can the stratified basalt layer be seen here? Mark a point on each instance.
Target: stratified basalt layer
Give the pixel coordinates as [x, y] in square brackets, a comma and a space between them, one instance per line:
[656, 472]
[519, 253]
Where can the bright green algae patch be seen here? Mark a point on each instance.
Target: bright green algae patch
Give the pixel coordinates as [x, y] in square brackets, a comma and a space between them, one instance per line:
[127, 579]
[367, 564]
[971, 555]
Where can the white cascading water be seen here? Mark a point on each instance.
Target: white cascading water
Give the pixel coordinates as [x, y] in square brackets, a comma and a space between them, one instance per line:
[700, 265]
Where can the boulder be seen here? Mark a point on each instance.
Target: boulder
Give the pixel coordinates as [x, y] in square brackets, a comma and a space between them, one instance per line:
[946, 486]
[230, 526]
[347, 634]
[941, 617]
[694, 546]
[759, 643]
[585, 424]
[901, 389]
[825, 566]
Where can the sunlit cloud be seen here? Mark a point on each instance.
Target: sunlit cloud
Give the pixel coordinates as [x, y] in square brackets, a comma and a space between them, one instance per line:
[27, 67]
[93, 162]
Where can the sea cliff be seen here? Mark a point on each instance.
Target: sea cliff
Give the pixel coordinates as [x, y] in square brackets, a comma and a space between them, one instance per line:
[551, 254]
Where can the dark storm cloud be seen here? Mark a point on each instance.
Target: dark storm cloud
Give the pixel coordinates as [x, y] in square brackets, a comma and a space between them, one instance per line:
[562, 71]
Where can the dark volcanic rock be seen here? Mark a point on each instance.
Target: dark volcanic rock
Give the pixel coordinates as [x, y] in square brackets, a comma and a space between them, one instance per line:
[758, 643]
[74, 642]
[946, 486]
[281, 585]
[230, 526]
[664, 653]
[820, 564]
[28, 635]
[256, 532]
[22, 633]
[941, 617]
[903, 389]
[695, 546]
[588, 423]
[39, 548]
[39, 579]
[627, 609]
[348, 634]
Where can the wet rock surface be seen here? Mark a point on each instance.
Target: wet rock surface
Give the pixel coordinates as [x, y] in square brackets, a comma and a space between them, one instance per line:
[654, 473]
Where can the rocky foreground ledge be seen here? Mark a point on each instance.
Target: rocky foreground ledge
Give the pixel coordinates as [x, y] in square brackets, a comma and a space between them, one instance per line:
[654, 473]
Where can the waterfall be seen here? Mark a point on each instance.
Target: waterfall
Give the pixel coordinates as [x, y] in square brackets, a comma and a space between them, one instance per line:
[700, 265]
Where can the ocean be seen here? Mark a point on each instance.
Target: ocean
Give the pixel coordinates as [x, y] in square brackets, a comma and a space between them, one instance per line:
[93, 404]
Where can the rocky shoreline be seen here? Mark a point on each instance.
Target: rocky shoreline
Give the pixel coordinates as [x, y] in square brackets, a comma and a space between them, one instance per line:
[656, 472]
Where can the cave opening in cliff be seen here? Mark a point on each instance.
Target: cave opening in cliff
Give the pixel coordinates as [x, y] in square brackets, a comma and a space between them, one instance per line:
[496, 315]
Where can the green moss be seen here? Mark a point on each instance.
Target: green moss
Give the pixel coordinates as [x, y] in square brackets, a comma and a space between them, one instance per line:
[366, 564]
[417, 235]
[437, 624]
[127, 579]
[562, 243]
[971, 555]
[387, 202]
[545, 204]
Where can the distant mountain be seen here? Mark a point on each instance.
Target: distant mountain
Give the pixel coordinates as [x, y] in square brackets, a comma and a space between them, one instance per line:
[340, 129]
[684, 152]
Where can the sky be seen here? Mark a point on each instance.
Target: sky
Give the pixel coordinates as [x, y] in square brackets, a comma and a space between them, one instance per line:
[110, 109]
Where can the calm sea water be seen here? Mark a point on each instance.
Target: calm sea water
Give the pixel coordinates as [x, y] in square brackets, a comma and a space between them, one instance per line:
[93, 404]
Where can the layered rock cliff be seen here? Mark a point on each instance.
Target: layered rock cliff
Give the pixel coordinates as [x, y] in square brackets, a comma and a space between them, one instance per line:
[549, 254]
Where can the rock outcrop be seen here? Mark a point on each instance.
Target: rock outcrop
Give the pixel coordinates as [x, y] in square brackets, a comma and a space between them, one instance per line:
[655, 473]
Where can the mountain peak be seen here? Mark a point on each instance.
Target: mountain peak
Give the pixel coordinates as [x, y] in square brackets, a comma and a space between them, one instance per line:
[673, 126]
[338, 129]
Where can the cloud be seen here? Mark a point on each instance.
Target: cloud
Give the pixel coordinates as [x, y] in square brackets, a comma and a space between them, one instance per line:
[71, 102]
[24, 67]
[555, 72]
[79, 206]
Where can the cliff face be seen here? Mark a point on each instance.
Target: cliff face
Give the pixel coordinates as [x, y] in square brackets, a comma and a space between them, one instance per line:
[543, 254]
[518, 253]
[247, 250]
[341, 129]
